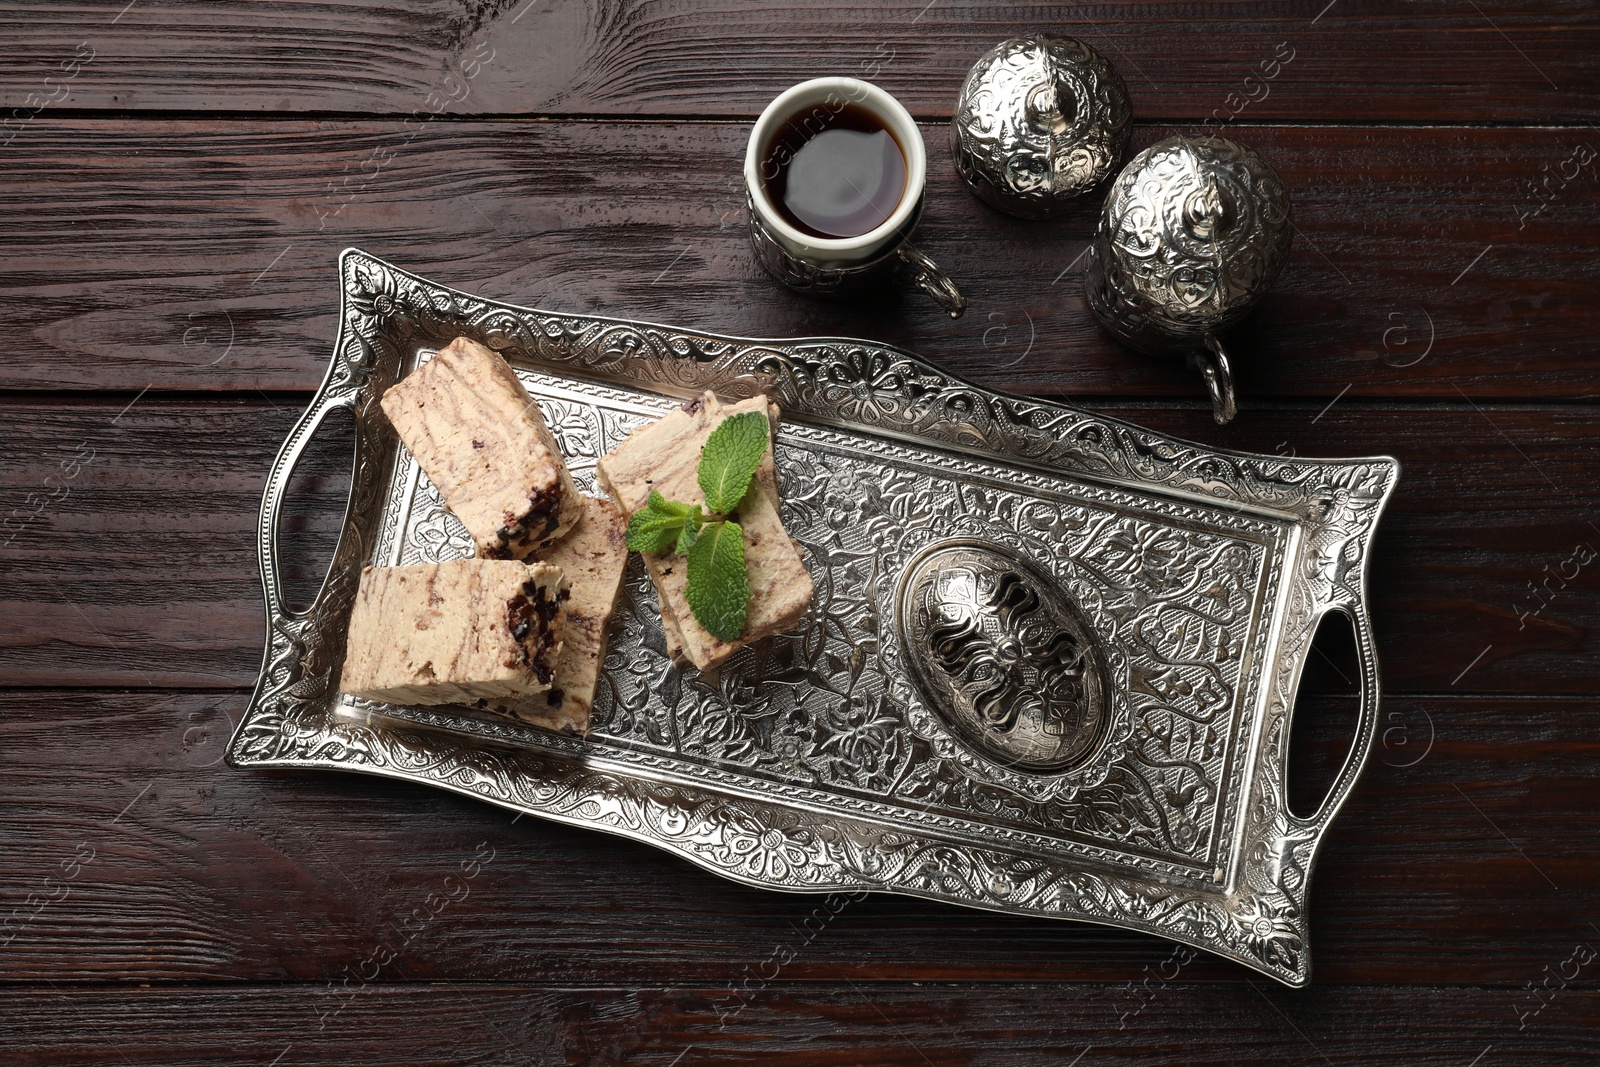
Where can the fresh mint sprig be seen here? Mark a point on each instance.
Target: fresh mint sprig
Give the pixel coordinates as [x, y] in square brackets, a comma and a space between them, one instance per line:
[662, 524]
[718, 589]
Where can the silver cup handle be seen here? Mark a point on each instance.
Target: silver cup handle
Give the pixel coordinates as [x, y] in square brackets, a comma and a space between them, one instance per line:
[1213, 366]
[933, 281]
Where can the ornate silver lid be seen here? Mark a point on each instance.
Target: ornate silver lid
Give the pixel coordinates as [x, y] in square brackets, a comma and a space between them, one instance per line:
[1040, 121]
[1004, 656]
[1193, 234]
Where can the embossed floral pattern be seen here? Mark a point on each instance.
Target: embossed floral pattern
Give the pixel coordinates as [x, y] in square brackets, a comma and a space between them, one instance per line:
[760, 850]
[1270, 929]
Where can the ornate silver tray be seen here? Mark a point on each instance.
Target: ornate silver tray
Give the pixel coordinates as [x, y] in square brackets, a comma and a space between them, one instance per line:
[1050, 668]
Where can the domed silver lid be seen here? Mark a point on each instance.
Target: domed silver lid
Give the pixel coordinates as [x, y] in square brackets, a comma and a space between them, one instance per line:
[1040, 121]
[1194, 232]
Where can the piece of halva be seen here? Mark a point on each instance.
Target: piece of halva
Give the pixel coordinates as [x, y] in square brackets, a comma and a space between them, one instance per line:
[470, 631]
[593, 556]
[483, 442]
[664, 456]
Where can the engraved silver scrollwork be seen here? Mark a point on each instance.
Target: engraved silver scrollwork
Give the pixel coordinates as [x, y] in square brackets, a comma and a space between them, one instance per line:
[813, 761]
[1005, 657]
[1041, 121]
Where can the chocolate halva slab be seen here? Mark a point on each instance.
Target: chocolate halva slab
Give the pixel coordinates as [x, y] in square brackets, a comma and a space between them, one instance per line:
[483, 442]
[470, 631]
[766, 481]
[592, 556]
[664, 456]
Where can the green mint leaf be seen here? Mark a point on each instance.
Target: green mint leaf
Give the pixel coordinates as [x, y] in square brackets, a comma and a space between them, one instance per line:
[658, 525]
[729, 460]
[691, 531]
[718, 591]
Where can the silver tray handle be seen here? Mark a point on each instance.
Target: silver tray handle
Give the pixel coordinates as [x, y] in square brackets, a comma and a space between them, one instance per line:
[278, 487]
[1315, 825]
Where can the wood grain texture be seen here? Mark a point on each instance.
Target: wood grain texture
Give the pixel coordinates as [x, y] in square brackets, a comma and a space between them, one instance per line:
[144, 573]
[1352, 61]
[190, 256]
[139, 856]
[834, 1025]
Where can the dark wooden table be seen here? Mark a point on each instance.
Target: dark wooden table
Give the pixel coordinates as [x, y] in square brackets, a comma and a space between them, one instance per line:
[178, 179]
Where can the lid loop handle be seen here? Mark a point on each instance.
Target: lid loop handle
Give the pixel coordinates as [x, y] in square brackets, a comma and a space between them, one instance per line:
[1213, 366]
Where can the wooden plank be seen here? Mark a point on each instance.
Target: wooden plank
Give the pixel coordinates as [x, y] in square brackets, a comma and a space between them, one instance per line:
[132, 853]
[140, 570]
[1350, 61]
[200, 255]
[843, 1025]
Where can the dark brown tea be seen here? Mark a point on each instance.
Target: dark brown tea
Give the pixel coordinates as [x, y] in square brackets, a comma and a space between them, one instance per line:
[834, 173]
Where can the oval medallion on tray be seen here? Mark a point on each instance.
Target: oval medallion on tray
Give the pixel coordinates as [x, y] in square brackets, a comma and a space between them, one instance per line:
[1004, 656]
